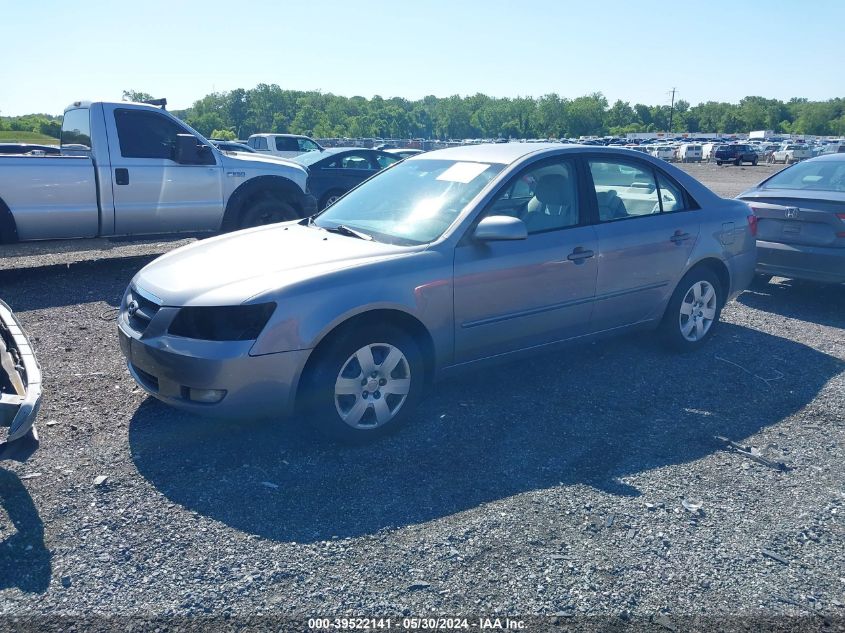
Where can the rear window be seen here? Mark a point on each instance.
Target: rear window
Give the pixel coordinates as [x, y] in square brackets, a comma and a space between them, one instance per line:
[822, 175]
[76, 128]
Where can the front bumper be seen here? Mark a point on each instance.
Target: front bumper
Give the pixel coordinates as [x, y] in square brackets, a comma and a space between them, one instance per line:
[21, 378]
[173, 369]
[812, 263]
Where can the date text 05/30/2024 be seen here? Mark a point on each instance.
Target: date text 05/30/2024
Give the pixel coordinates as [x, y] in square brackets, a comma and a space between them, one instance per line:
[415, 624]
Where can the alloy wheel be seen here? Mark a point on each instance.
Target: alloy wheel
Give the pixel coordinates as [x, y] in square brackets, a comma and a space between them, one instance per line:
[698, 311]
[372, 386]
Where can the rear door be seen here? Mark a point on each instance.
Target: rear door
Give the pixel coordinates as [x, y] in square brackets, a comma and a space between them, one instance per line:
[647, 228]
[152, 192]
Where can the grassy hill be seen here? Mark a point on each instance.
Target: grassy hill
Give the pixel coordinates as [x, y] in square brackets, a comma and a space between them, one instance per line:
[11, 136]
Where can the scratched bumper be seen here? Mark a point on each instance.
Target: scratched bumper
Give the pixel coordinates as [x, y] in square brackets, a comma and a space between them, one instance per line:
[20, 384]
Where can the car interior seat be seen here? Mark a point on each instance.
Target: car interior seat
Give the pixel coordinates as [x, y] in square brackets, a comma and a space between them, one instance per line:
[553, 205]
[611, 206]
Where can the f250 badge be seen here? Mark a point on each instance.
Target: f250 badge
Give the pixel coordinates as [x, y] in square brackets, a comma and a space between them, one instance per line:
[791, 212]
[236, 174]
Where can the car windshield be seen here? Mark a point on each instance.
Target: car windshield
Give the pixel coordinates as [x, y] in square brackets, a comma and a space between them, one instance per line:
[413, 202]
[823, 175]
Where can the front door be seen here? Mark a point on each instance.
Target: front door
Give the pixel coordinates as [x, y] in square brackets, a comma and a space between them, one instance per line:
[152, 192]
[514, 295]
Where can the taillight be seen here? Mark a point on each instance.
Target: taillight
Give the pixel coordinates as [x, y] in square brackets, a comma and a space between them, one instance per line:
[841, 216]
[752, 225]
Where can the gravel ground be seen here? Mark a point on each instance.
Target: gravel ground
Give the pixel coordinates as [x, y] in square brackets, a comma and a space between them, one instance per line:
[585, 487]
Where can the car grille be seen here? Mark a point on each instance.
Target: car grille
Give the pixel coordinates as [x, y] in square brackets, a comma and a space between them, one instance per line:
[139, 310]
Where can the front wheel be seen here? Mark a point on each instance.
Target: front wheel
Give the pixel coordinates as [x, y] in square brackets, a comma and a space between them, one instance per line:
[266, 209]
[365, 384]
[693, 310]
[754, 162]
[719, 163]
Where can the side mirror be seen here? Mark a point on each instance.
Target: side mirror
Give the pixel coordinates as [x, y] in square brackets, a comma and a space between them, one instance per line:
[497, 228]
[187, 150]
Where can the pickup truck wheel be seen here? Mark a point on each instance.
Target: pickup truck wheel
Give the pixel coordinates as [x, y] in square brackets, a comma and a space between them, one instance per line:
[267, 209]
[365, 384]
[719, 163]
[738, 162]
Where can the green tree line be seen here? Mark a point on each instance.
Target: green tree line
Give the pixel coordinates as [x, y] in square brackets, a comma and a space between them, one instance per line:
[269, 108]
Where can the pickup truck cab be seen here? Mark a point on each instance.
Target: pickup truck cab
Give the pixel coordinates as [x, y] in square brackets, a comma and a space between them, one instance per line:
[132, 169]
[284, 145]
[791, 153]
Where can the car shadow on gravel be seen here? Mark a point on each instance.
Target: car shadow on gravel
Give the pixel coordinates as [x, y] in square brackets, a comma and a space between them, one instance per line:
[24, 558]
[794, 299]
[591, 415]
[69, 285]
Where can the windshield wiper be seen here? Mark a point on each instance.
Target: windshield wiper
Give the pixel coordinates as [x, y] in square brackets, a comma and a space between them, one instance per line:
[345, 230]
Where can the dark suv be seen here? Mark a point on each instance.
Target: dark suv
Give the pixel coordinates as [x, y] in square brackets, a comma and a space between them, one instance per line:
[736, 154]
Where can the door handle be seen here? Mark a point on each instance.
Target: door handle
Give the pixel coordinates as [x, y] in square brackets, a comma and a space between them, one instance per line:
[121, 176]
[579, 255]
[679, 236]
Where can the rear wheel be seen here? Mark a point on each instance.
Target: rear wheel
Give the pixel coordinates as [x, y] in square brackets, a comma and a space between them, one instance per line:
[754, 161]
[738, 162]
[693, 310]
[364, 384]
[718, 162]
[266, 209]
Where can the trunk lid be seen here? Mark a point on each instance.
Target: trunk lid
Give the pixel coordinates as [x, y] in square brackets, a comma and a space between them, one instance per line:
[799, 218]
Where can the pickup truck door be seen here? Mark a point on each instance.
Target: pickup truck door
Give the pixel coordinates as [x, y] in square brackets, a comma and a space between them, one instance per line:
[152, 192]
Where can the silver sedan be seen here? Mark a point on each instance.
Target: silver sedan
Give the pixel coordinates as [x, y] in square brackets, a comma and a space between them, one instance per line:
[440, 263]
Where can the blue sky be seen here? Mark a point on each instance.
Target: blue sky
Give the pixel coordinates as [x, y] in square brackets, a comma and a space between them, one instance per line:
[55, 52]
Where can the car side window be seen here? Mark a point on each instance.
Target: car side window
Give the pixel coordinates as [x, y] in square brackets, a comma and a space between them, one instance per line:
[285, 144]
[544, 197]
[623, 190]
[384, 160]
[146, 134]
[260, 142]
[671, 198]
[350, 161]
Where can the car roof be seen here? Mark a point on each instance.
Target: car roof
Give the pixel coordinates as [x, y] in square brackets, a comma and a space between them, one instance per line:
[503, 153]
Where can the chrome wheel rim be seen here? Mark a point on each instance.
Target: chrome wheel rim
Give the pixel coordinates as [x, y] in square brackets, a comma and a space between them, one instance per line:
[698, 311]
[331, 200]
[372, 386]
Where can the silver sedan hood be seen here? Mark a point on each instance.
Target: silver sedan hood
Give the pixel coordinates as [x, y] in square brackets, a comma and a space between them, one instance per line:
[233, 268]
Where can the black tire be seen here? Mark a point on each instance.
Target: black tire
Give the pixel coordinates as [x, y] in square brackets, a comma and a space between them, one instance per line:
[738, 162]
[321, 407]
[754, 162]
[266, 209]
[670, 326]
[329, 197]
[719, 163]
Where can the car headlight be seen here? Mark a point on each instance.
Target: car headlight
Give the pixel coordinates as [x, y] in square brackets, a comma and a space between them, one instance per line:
[222, 323]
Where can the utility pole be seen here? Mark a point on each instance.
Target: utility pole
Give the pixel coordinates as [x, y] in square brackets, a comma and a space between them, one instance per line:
[671, 110]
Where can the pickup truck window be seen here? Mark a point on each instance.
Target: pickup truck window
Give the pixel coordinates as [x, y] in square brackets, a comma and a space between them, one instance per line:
[259, 142]
[286, 144]
[146, 134]
[76, 128]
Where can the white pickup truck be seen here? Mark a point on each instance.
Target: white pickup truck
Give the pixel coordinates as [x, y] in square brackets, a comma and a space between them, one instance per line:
[133, 169]
[790, 153]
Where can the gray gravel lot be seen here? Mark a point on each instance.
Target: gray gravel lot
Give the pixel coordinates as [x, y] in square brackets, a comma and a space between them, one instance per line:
[582, 483]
